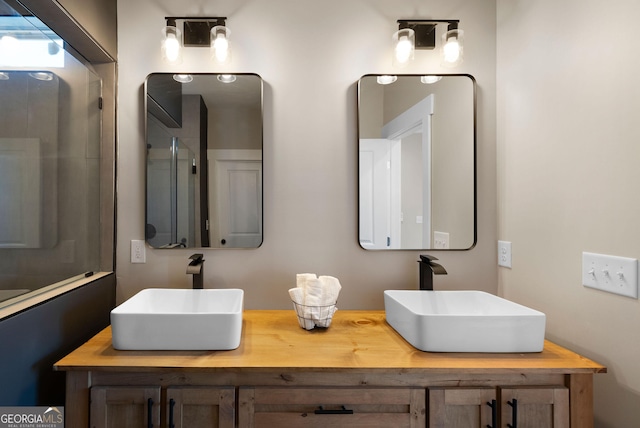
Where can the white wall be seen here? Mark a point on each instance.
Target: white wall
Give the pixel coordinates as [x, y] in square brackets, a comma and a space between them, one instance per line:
[310, 55]
[568, 153]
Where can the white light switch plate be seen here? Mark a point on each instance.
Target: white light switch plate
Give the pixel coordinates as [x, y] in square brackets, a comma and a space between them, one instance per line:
[614, 274]
[504, 254]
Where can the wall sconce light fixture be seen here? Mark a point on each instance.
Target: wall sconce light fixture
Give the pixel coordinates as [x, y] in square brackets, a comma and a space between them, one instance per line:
[197, 32]
[421, 34]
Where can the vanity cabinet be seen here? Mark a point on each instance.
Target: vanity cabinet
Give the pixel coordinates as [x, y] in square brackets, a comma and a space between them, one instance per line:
[117, 407]
[201, 407]
[263, 407]
[175, 407]
[358, 372]
[524, 407]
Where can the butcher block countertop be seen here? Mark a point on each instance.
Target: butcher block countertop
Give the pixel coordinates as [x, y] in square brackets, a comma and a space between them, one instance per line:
[361, 340]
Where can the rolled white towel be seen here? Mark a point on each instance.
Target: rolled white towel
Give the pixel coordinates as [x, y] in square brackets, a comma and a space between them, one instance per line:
[302, 278]
[304, 318]
[326, 316]
[315, 294]
[297, 296]
[331, 287]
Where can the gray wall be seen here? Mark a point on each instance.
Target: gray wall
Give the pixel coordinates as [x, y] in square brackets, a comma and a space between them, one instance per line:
[33, 340]
[568, 154]
[310, 143]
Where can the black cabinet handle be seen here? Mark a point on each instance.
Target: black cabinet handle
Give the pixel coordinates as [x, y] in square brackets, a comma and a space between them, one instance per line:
[514, 414]
[343, 411]
[172, 403]
[494, 413]
[149, 413]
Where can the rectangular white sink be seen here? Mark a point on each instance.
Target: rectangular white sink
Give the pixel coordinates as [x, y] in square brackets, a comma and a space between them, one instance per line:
[179, 319]
[464, 321]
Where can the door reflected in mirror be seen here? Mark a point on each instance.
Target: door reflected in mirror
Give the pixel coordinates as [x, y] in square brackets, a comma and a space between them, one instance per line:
[417, 162]
[204, 160]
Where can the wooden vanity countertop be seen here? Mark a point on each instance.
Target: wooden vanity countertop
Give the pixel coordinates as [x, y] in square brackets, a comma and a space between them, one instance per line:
[272, 339]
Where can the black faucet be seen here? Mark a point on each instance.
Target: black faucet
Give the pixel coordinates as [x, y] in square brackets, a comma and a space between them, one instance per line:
[427, 269]
[196, 268]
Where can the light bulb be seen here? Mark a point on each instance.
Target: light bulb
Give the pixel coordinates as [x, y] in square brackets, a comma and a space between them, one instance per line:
[452, 47]
[452, 50]
[171, 48]
[403, 49]
[220, 50]
[171, 45]
[403, 46]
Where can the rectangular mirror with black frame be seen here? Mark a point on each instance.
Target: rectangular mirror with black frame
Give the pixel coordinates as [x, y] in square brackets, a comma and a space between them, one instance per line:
[204, 160]
[416, 162]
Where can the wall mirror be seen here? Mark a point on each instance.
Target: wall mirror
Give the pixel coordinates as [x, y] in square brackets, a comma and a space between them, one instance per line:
[204, 160]
[417, 139]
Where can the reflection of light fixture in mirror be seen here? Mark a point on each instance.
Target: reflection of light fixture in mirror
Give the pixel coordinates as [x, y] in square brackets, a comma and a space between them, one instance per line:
[227, 78]
[220, 50]
[171, 42]
[429, 79]
[424, 37]
[183, 78]
[41, 75]
[452, 46]
[4, 75]
[386, 79]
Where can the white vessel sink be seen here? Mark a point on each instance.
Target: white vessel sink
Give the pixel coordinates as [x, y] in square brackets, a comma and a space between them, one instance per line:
[179, 319]
[463, 321]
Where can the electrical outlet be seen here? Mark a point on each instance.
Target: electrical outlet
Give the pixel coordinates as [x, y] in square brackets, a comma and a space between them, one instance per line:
[614, 274]
[504, 254]
[138, 251]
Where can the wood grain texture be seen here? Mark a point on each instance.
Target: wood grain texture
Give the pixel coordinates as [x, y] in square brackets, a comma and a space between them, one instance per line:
[356, 340]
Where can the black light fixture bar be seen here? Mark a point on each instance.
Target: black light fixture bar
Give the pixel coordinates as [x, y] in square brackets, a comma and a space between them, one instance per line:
[424, 29]
[196, 30]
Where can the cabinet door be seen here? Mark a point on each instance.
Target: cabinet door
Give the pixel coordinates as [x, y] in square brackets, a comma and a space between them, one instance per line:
[210, 407]
[462, 407]
[332, 407]
[125, 407]
[535, 407]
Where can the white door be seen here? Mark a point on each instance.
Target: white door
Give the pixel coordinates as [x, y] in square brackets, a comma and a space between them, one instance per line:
[235, 190]
[417, 119]
[376, 194]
